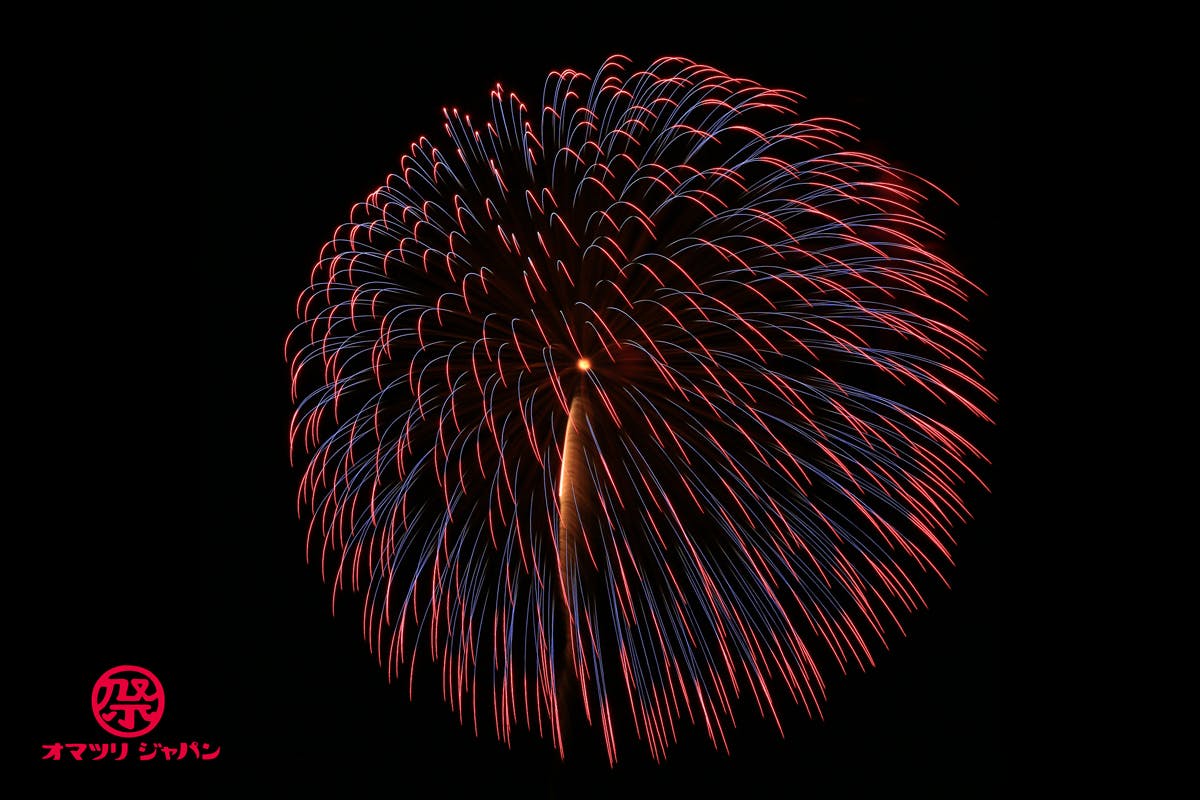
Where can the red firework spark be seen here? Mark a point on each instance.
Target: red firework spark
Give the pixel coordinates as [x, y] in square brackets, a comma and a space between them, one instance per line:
[638, 398]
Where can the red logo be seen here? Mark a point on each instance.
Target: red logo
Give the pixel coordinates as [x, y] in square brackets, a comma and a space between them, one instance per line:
[127, 701]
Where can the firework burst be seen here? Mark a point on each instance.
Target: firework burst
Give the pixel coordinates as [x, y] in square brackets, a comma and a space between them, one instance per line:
[638, 399]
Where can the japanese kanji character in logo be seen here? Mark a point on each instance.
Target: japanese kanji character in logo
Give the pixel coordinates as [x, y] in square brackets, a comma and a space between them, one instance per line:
[127, 701]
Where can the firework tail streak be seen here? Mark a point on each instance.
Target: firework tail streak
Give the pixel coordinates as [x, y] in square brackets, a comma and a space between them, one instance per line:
[650, 389]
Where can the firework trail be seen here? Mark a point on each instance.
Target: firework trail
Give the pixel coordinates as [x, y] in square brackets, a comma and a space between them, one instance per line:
[646, 389]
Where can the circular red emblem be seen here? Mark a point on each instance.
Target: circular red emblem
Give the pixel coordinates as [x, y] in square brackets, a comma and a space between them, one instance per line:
[127, 701]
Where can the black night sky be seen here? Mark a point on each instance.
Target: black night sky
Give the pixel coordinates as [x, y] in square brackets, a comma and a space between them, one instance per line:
[174, 542]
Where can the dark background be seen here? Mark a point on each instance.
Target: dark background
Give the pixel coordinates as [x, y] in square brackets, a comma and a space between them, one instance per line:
[169, 538]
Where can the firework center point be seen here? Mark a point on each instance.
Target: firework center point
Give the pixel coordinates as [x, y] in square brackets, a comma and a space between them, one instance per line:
[583, 364]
